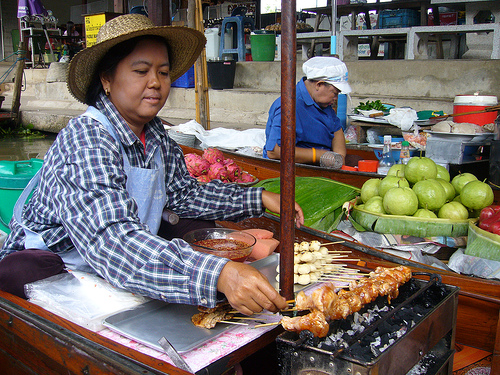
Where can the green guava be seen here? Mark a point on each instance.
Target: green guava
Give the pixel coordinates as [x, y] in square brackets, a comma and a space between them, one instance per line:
[375, 205]
[443, 173]
[397, 170]
[425, 213]
[400, 201]
[448, 188]
[476, 195]
[454, 211]
[369, 189]
[430, 194]
[389, 182]
[420, 168]
[460, 180]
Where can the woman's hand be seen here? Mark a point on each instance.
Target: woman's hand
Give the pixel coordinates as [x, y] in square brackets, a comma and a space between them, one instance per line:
[271, 201]
[248, 290]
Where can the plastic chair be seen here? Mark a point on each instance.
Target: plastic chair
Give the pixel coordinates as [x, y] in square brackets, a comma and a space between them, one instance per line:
[237, 23]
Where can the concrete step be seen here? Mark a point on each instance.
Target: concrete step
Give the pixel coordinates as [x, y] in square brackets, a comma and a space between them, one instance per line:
[419, 84]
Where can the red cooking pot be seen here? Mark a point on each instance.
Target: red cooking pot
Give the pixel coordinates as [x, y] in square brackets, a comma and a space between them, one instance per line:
[471, 103]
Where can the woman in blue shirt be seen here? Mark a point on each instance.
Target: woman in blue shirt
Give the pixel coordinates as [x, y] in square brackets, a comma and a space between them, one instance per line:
[319, 135]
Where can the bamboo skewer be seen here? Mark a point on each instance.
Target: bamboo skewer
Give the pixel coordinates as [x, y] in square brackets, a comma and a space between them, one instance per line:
[332, 243]
[266, 324]
[235, 323]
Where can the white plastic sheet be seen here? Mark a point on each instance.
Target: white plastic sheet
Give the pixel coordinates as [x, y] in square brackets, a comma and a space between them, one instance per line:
[82, 298]
[222, 137]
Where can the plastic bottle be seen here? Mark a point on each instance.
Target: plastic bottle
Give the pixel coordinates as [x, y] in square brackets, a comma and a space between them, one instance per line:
[404, 156]
[387, 160]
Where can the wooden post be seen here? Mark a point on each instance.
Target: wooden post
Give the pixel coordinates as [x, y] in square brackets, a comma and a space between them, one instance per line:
[18, 80]
[287, 167]
[195, 21]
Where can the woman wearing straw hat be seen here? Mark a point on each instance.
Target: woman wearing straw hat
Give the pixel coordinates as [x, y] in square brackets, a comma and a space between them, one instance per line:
[110, 173]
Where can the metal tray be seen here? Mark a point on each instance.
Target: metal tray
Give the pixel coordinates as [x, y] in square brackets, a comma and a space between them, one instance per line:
[152, 320]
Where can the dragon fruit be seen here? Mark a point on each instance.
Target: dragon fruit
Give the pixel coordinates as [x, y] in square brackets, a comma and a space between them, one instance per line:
[233, 169]
[218, 171]
[212, 155]
[203, 178]
[246, 177]
[196, 165]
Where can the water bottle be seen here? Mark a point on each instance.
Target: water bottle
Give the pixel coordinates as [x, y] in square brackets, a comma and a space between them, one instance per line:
[404, 156]
[387, 160]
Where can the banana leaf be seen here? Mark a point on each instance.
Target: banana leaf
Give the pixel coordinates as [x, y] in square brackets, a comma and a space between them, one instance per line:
[409, 225]
[482, 243]
[321, 199]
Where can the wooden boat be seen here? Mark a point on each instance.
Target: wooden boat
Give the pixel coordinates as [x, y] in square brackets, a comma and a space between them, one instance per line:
[478, 323]
[33, 340]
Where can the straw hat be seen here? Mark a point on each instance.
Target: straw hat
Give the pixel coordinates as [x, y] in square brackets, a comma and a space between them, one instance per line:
[185, 45]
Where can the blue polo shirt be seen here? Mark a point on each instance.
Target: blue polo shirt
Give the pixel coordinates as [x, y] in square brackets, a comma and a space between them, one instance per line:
[315, 126]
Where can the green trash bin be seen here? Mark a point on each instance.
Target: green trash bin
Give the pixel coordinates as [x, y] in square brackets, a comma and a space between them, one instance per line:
[263, 46]
[14, 176]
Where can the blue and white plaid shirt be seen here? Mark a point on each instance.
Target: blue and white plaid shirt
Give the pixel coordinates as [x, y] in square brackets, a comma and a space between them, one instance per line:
[81, 201]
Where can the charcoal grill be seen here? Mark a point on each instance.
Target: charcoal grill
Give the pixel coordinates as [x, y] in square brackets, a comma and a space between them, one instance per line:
[413, 334]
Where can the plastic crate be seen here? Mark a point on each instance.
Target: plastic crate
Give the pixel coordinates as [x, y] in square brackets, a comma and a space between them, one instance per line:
[186, 80]
[399, 18]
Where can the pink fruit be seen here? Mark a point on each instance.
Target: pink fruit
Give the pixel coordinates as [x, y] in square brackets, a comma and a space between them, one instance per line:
[246, 177]
[213, 155]
[196, 165]
[218, 171]
[203, 178]
[233, 169]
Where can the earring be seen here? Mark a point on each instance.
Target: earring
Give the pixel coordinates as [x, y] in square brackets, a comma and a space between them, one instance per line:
[106, 91]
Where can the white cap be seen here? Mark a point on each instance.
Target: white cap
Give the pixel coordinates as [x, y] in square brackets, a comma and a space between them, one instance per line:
[328, 69]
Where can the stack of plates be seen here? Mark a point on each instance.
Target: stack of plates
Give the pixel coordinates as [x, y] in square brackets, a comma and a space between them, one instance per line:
[182, 139]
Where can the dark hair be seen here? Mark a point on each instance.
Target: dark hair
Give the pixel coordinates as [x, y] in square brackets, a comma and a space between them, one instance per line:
[111, 60]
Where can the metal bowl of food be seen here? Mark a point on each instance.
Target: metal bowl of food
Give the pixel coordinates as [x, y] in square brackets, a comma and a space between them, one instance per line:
[226, 243]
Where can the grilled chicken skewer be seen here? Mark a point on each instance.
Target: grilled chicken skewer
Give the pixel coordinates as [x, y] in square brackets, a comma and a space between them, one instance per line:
[327, 305]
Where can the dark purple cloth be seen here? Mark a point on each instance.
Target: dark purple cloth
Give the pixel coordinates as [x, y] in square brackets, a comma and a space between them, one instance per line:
[169, 231]
[27, 266]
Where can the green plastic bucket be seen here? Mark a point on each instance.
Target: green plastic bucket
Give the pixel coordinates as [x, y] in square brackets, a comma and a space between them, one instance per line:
[263, 47]
[14, 176]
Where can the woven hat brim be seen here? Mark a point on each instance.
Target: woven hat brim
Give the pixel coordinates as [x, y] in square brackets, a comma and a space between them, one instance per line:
[185, 45]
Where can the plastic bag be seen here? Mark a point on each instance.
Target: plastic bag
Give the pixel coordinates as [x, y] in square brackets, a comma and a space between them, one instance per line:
[469, 265]
[351, 135]
[403, 118]
[82, 298]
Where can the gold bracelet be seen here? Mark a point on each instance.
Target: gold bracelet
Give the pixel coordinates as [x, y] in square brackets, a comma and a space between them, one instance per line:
[314, 155]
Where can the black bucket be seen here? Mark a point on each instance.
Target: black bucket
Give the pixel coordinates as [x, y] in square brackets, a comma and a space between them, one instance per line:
[495, 164]
[221, 74]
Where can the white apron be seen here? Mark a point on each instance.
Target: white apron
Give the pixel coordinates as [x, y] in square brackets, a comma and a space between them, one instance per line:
[145, 186]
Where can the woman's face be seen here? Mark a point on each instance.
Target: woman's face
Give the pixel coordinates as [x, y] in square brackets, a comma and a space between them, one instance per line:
[325, 94]
[140, 83]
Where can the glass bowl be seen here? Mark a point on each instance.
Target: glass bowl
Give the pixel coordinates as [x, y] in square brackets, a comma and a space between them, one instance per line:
[225, 243]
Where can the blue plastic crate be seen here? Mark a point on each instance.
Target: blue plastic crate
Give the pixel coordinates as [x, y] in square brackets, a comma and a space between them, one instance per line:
[398, 18]
[186, 80]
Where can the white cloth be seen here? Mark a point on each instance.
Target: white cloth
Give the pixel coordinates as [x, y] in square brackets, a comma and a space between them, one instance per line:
[222, 137]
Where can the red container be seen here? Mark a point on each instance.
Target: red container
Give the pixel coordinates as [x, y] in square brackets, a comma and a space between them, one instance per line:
[367, 165]
[471, 103]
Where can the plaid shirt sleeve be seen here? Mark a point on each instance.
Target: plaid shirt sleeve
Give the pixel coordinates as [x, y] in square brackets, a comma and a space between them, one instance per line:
[82, 202]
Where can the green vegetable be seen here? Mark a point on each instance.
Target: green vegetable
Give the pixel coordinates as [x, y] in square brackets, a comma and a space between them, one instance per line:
[321, 199]
[376, 104]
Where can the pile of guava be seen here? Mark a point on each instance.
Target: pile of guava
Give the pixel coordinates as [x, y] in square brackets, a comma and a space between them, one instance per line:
[422, 188]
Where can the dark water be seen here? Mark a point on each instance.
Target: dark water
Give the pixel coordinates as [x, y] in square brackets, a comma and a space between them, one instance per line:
[25, 148]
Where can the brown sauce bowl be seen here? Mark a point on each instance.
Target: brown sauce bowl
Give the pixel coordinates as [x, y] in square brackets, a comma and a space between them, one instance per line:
[226, 243]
